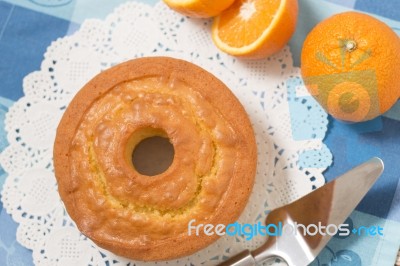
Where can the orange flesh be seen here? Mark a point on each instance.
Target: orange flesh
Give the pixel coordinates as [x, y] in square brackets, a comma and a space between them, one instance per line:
[236, 31]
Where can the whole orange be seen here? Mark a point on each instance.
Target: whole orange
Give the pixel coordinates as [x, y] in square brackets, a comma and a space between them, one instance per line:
[350, 63]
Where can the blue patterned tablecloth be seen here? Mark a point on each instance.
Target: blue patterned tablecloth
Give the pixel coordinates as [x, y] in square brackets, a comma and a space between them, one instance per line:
[27, 27]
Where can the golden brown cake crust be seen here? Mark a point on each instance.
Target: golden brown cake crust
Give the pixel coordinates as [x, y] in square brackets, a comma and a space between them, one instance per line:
[146, 217]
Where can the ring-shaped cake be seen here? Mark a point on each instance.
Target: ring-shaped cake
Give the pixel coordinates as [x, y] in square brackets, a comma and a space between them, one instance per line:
[210, 178]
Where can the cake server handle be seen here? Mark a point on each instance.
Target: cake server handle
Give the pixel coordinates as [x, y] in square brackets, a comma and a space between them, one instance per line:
[245, 258]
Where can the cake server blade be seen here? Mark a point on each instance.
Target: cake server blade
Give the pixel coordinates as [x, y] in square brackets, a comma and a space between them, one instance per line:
[328, 205]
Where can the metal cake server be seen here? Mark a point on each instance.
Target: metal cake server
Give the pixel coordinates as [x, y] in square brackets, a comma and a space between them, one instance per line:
[329, 204]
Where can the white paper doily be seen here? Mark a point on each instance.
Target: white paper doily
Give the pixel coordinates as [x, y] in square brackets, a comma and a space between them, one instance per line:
[288, 123]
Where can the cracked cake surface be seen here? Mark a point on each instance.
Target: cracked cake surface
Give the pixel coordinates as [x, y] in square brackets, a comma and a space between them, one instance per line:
[211, 175]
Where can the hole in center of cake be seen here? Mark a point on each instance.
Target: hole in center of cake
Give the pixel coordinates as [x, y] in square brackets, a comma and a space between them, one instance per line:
[153, 155]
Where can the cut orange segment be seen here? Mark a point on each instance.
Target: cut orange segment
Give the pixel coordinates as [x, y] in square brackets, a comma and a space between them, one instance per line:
[199, 8]
[255, 28]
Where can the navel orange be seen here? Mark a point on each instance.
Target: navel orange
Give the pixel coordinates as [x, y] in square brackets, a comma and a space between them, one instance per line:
[255, 28]
[199, 8]
[350, 63]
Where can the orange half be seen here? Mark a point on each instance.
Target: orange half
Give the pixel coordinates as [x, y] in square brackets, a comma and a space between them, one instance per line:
[199, 8]
[255, 28]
